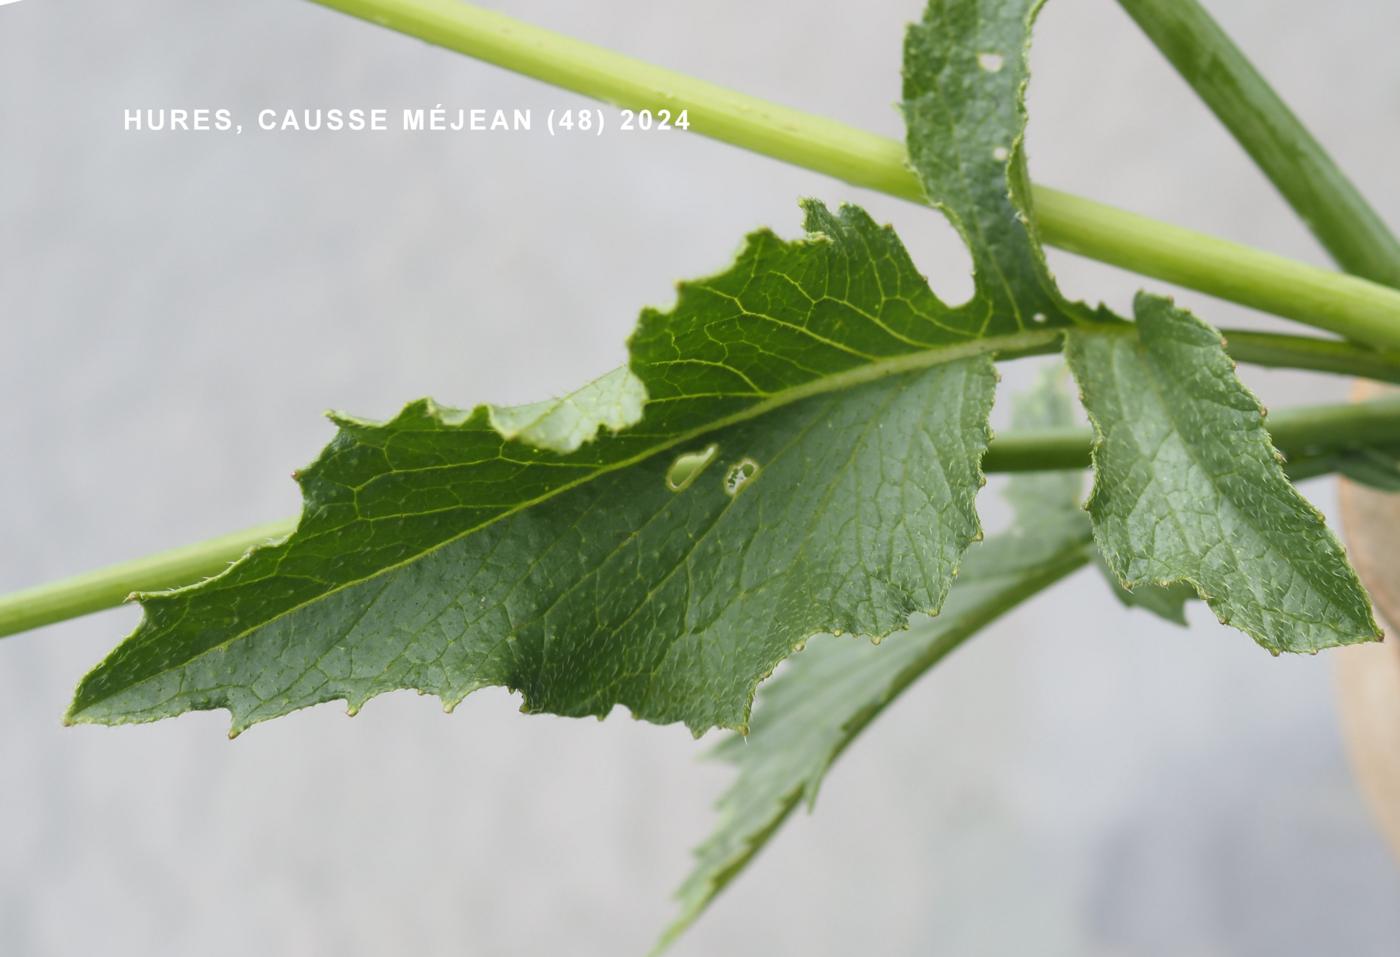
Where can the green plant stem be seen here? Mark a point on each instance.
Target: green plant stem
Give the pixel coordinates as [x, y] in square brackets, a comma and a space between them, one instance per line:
[1278, 142]
[1279, 350]
[1352, 307]
[1296, 432]
[110, 586]
[1310, 352]
[1347, 305]
[1304, 432]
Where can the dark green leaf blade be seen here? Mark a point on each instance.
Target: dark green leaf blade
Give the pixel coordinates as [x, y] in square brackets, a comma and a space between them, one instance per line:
[1188, 487]
[965, 74]
[825, 364]
[621, 590]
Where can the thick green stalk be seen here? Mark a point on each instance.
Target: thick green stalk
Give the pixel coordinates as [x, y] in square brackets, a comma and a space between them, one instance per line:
[1341, 219]
[1308, 431]
[1351, 307]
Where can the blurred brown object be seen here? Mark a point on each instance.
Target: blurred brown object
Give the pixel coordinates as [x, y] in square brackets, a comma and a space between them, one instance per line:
[1368, 676]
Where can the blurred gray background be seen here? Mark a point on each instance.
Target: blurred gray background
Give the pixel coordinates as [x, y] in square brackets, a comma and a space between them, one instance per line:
[176, 311]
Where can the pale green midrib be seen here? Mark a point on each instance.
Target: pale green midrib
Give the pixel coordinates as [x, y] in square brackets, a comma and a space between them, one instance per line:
[839, 382]
[1353, 307]
[1331, 427]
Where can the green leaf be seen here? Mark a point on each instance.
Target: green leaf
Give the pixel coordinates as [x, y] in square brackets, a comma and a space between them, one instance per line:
[448, 550]
[965, 74]
[828, 694]
[1188, 487]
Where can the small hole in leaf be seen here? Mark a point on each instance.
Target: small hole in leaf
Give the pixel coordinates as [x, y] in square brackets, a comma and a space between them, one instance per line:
[1000, 154]
[1038, 318]
[740, 474]
[991, 62]
[688, 466]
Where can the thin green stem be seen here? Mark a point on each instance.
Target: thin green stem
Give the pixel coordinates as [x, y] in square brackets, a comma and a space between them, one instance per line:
[1309, 352]
[1038, 451]
[1355, 308]
[1297, 432]
[110, 586]
[1272, 135]
[1305, 432]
